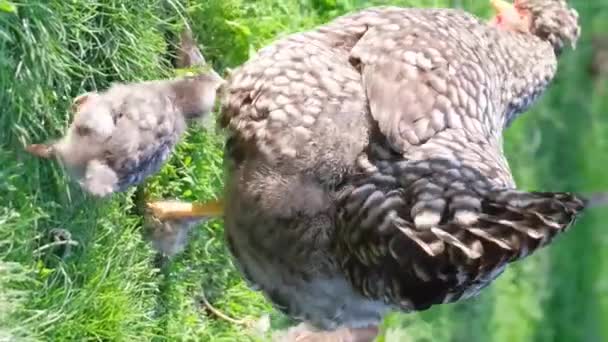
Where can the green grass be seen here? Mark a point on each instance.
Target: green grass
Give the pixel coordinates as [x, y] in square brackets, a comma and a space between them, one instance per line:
[108, 285]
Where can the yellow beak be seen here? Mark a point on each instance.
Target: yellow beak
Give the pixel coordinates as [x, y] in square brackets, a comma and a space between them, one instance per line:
[500, 6]
[40, 150]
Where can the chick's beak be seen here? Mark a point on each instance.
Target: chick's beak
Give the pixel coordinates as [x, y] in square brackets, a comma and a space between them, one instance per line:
[501, 6]
[40, 150]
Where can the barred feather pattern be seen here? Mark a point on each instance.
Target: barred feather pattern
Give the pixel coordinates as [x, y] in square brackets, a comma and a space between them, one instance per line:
[445, 231]
[365, 163]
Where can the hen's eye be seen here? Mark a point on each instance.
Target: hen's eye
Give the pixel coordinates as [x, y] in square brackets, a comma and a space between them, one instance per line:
[82, 130]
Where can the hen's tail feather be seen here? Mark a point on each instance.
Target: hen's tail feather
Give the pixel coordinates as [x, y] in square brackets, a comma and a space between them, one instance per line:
[527, 221]
[440, 239]
[594, 200]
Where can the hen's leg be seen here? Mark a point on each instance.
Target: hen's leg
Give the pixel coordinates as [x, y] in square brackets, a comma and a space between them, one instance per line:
[168, 223]
[175, 210]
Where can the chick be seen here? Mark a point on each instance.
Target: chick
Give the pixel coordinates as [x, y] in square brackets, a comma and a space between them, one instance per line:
[126, 133]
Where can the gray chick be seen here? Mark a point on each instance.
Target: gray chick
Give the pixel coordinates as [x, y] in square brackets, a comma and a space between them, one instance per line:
[126, 133]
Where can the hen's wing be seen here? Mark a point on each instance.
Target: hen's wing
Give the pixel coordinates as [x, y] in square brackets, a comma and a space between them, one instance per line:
[431, 86]
[298, 106]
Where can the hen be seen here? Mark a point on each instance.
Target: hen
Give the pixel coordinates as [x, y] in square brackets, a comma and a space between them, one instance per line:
[365, 161]
[124, 134]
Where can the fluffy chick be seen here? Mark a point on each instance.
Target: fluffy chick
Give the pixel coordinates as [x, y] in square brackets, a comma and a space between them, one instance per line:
[122, 135]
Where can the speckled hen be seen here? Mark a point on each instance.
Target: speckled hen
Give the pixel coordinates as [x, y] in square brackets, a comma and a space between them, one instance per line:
[124, 134]
[365, 161]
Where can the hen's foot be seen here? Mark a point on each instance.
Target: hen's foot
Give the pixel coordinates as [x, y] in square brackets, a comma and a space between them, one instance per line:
[304, 333]
[168, 237]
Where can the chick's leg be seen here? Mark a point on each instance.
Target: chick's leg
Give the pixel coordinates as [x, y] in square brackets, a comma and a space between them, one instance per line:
[100, 180]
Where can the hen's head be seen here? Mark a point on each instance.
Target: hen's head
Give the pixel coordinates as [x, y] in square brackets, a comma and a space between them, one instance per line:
[551, 20]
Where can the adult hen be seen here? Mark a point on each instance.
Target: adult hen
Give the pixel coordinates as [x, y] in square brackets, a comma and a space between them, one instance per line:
[365, 161]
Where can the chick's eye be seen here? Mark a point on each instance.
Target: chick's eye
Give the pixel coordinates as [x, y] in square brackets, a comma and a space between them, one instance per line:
[82, 130]
[117, 116]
